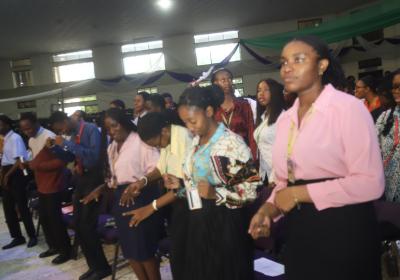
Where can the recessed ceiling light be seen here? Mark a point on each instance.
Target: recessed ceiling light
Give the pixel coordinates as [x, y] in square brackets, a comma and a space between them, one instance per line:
[164, 4]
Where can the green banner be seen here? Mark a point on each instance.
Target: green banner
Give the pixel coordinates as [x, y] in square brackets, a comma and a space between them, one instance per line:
[383, 14]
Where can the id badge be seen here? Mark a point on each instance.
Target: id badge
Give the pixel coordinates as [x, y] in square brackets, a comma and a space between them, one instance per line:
[193, 199]
[290, 167]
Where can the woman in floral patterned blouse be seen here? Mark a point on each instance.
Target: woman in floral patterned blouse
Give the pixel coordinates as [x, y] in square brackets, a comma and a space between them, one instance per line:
[389, 135]
[218, 170]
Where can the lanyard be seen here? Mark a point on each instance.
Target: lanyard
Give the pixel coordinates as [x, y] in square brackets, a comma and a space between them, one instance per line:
[228, 122]
[115, 155]
[78, 137]
[395, 143]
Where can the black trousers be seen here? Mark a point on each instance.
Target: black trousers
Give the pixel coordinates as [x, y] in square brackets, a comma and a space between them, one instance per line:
[54, 229]
[15, 195]
[85, 218]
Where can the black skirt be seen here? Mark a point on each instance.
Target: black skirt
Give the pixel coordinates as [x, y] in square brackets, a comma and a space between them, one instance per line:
[178, 231]
[217, 245]
[335, 243]
[138, 243]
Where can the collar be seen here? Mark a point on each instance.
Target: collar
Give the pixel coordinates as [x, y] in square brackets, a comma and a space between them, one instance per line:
[141, 115]
[8, 135]
[217, 134]
[320, 104]
[40, 131]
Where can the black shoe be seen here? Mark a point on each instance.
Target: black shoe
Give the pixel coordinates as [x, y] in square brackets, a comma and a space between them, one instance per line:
[62, 258]
[32, 242]
[48, 253]
[87, 274]
[14, 242]
[97, 275]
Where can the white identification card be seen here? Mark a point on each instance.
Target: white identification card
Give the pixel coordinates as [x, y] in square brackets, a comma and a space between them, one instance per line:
[194, 199]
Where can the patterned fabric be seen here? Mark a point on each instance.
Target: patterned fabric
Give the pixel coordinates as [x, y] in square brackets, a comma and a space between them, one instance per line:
[392, 157]
[224, 163]
[240, 120]
[375, 104]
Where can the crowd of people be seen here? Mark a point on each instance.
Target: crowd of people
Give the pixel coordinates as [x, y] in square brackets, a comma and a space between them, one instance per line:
[323, 158]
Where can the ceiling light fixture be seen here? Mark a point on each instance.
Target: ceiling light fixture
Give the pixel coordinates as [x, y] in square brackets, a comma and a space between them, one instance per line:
[164, 4]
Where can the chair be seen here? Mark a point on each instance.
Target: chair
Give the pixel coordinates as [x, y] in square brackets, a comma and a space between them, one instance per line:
[105, 228]
[109, 235]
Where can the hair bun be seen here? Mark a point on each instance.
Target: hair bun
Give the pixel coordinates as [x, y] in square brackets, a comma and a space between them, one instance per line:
[217, 95]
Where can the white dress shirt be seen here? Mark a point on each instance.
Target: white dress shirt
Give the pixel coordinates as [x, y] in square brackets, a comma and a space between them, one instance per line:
[37, 142]
[264, 135]
[14, 148]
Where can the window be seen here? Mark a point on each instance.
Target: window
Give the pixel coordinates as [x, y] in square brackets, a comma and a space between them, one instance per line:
[63, 57]
[142, 46]
[205, 84]
[216, 37]
[73, 66]
[80, 99]
[26, 104]
[237, 85]
[148, 89]
[144, 63]
[140, 58]
[21, 72]
[211, 54]
[70, 110]
[308, 23]
[74, 72]
[84, 103]
[22, 78]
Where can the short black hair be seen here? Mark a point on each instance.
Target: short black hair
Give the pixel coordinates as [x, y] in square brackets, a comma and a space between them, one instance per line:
[118, 103]
[370, 81]
[219, 70]
[157, 100]
[202, 97]
[120, 117]
[58, 117]
[144, 94]
[82, 114]
[166, 95]
[151, 124]
[6, 120]
[29, 116]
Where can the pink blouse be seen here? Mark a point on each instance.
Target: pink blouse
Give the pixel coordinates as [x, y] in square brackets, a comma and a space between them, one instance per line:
[134, 160]
[337, 140]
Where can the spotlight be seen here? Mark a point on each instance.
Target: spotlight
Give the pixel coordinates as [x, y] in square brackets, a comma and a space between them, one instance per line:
[164, 4]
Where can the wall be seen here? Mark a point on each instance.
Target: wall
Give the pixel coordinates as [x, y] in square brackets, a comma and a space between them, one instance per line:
[179, 57]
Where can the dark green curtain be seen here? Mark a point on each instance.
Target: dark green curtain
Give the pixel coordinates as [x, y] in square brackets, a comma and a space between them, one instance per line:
[382, 14]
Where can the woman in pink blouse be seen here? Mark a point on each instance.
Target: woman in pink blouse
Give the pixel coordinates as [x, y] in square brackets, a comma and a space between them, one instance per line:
[130, 159]
[326, 178]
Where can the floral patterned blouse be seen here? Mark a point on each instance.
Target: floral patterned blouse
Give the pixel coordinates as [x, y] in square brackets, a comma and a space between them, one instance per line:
[390, 148]
[218, 162]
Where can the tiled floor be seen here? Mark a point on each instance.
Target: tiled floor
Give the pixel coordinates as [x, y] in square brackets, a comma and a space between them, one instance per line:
[22, 263]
